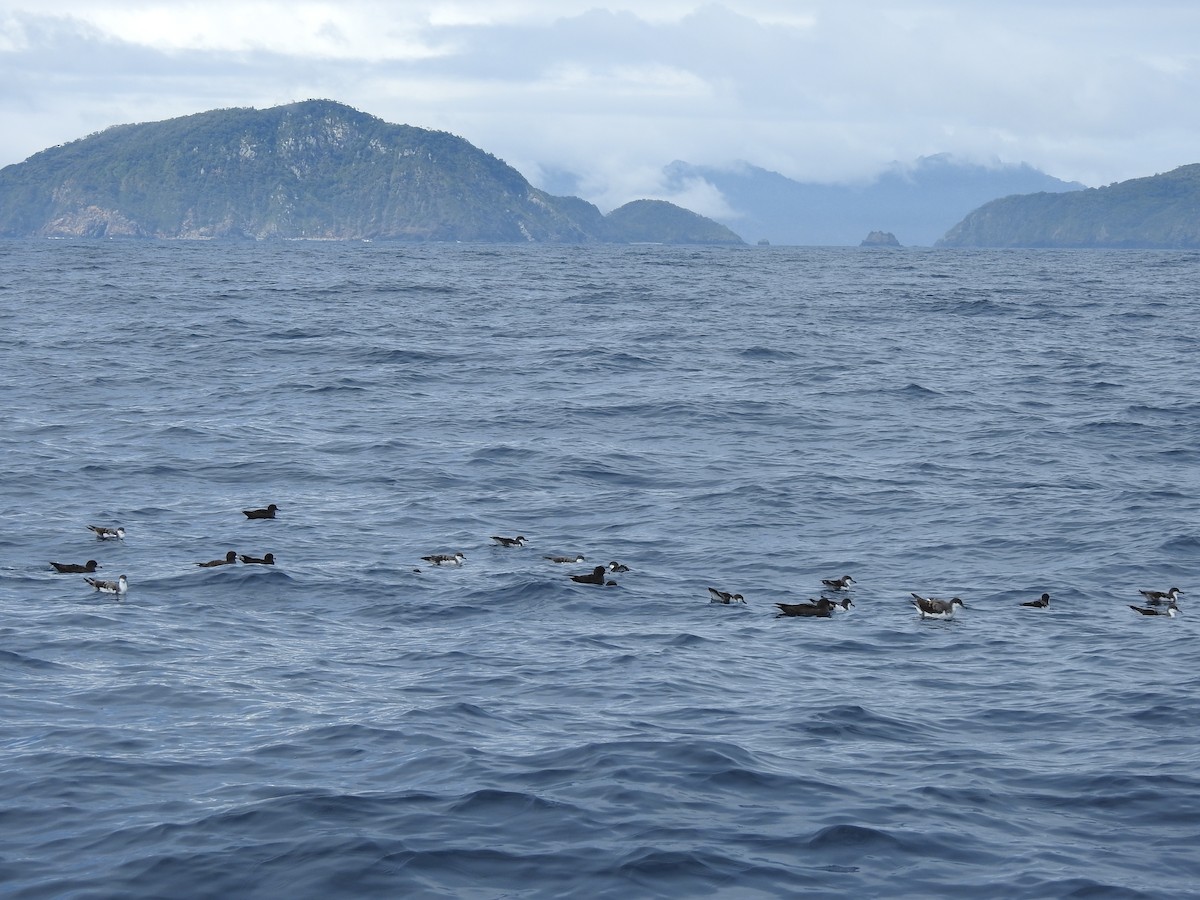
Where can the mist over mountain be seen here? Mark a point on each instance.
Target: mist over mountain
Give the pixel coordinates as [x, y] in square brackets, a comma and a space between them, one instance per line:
[918, 203]
[320, 170]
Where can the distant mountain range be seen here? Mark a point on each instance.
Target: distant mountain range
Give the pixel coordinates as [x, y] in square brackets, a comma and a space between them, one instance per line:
[917, 203]
[1158, 212]
[312, 170]
[320, 170]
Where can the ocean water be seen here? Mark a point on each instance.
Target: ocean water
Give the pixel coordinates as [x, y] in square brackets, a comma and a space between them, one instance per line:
[353, 722]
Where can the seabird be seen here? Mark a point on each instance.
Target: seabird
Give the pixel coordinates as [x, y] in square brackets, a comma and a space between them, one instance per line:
[822, 608]
[615, 566]
[1042, 601]
[75, 569]
[577, 558]
[1156, 598]
[267, 559]
[838, 584]
[933, 608]
[267, 513]
[724, 596]
[445, 559]
[1170, 610]
[230, 558]
[596, 576]
[120, 586]
[518, 541]
[105, 533]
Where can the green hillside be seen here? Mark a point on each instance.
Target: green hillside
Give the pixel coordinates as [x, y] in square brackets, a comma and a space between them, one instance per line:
[1161, 211]
[311, 170]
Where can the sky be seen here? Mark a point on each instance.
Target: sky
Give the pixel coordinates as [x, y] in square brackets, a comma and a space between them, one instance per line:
[610, 92]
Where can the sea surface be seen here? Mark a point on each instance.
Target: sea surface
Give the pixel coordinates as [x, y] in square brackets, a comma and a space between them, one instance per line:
[353, 722]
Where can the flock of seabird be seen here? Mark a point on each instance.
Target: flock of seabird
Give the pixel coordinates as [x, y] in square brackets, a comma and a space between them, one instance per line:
[1156, 603]
[117, 533]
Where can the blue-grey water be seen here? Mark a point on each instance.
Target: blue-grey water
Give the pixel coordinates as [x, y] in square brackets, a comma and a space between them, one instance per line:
[354, 723]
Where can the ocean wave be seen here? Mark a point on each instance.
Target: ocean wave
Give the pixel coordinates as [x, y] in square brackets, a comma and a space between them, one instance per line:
[342, 723]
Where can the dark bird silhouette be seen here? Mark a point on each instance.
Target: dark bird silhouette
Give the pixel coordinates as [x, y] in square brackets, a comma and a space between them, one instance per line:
[75, 569]
[267, 559]
[265, 513]
[822, 608]
[230, 558]
[1042, 602]
[596, 576]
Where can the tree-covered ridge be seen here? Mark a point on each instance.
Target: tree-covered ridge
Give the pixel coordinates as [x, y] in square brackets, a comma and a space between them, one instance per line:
[658, 221]
[310, 170]
[1161, 211]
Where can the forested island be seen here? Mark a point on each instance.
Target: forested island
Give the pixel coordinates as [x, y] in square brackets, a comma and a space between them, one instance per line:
[315, 170]
[1157, 212]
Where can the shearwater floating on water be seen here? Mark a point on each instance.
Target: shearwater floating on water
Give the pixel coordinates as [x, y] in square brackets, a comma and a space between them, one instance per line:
[821, 609]
[1170, 610]
[724, 597]
[120, 586]
[75, 568]
[933, 608]
[838, 584]
[518, 541]
[1156, 598]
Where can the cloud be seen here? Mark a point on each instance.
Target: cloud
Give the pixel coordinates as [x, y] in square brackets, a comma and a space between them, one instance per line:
[612, 91]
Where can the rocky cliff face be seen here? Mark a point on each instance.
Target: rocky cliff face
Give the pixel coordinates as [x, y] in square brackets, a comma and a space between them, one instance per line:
[315, 170]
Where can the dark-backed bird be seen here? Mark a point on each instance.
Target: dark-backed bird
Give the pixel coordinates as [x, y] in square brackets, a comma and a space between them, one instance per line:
[230, 559]
[615, 566]
[838, 584]
[822, 608]
[724, 597]
[267, 559]
[518, 541]
[106, 533]
[75, 568]
[267, 512]
[445, 559]
[596, 576]
[933, 608]
[1041, 602]
[1169, 610]
[1157, 598]
[120, 586]
[577, 558]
